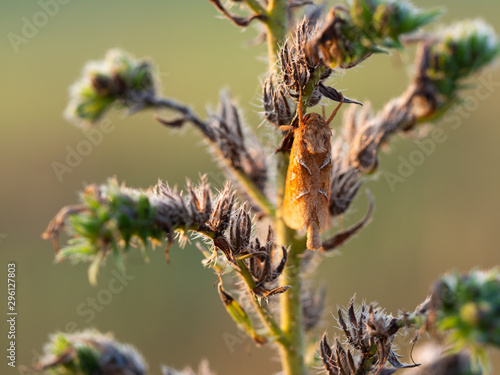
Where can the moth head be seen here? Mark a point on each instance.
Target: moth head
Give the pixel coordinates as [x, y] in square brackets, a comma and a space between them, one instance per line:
[316, 133]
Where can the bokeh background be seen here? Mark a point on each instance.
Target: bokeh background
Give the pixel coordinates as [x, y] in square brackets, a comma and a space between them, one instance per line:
[444, 216]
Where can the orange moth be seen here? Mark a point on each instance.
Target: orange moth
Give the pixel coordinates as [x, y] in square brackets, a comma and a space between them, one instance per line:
[307, 189]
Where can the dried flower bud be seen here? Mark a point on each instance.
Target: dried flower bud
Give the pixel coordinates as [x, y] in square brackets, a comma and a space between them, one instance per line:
[265, 266]
[234, 143]
[276, 107]
[338, 43]
[240, 230]
[346, 180]
[368, 331]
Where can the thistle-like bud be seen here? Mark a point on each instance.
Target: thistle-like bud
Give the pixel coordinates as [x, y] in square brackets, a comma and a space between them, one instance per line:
[117, 81]
[384, 21]
[457, 52]
[467, 309]
[89, 352]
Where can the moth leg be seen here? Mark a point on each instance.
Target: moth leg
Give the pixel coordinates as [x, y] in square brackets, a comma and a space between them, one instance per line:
[303, 163]
[324, 193]
[300, 195]
[299, 108]
[285, 128]
[336, 109]
[326, 162]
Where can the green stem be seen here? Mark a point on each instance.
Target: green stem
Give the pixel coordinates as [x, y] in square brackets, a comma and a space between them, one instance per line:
[264, 314]
[255, 6]
[255, 193]
[277, 28]
[293, 354]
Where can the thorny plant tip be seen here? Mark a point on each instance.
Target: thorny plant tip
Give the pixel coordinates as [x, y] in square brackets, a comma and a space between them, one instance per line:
[265, 233]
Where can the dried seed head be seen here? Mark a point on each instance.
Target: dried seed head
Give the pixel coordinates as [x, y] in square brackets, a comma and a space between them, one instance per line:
[240, 230]
[335, 43]
[276, 107]
[368, 331]
[222, 210]
[266, 264]
[346, 182]
[235, 143]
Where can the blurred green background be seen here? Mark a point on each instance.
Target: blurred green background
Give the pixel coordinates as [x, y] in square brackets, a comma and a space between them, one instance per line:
[444, 216]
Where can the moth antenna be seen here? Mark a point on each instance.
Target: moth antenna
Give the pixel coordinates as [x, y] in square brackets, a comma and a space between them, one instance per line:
[336, 109]
[299, 109]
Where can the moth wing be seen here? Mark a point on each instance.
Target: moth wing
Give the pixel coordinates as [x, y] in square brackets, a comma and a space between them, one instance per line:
[295, 208]
[324, 191]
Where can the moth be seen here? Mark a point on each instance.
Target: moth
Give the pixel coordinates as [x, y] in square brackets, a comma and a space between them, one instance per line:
[307, 189]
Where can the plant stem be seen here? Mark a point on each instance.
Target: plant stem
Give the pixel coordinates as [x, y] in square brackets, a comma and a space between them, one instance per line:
[292, 355]
[255, 6]
[277, 28]
[264, 314]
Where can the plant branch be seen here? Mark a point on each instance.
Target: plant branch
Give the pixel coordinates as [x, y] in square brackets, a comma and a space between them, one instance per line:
[256, 7]
[264, 314]
[253, 191]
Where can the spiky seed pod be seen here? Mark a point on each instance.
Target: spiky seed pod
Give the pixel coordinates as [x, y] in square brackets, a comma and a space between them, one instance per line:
[266, 265]
[346, 180]
[277, 110]
[240, 230]
[368, 331]
[235, 143]
[222, 209]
